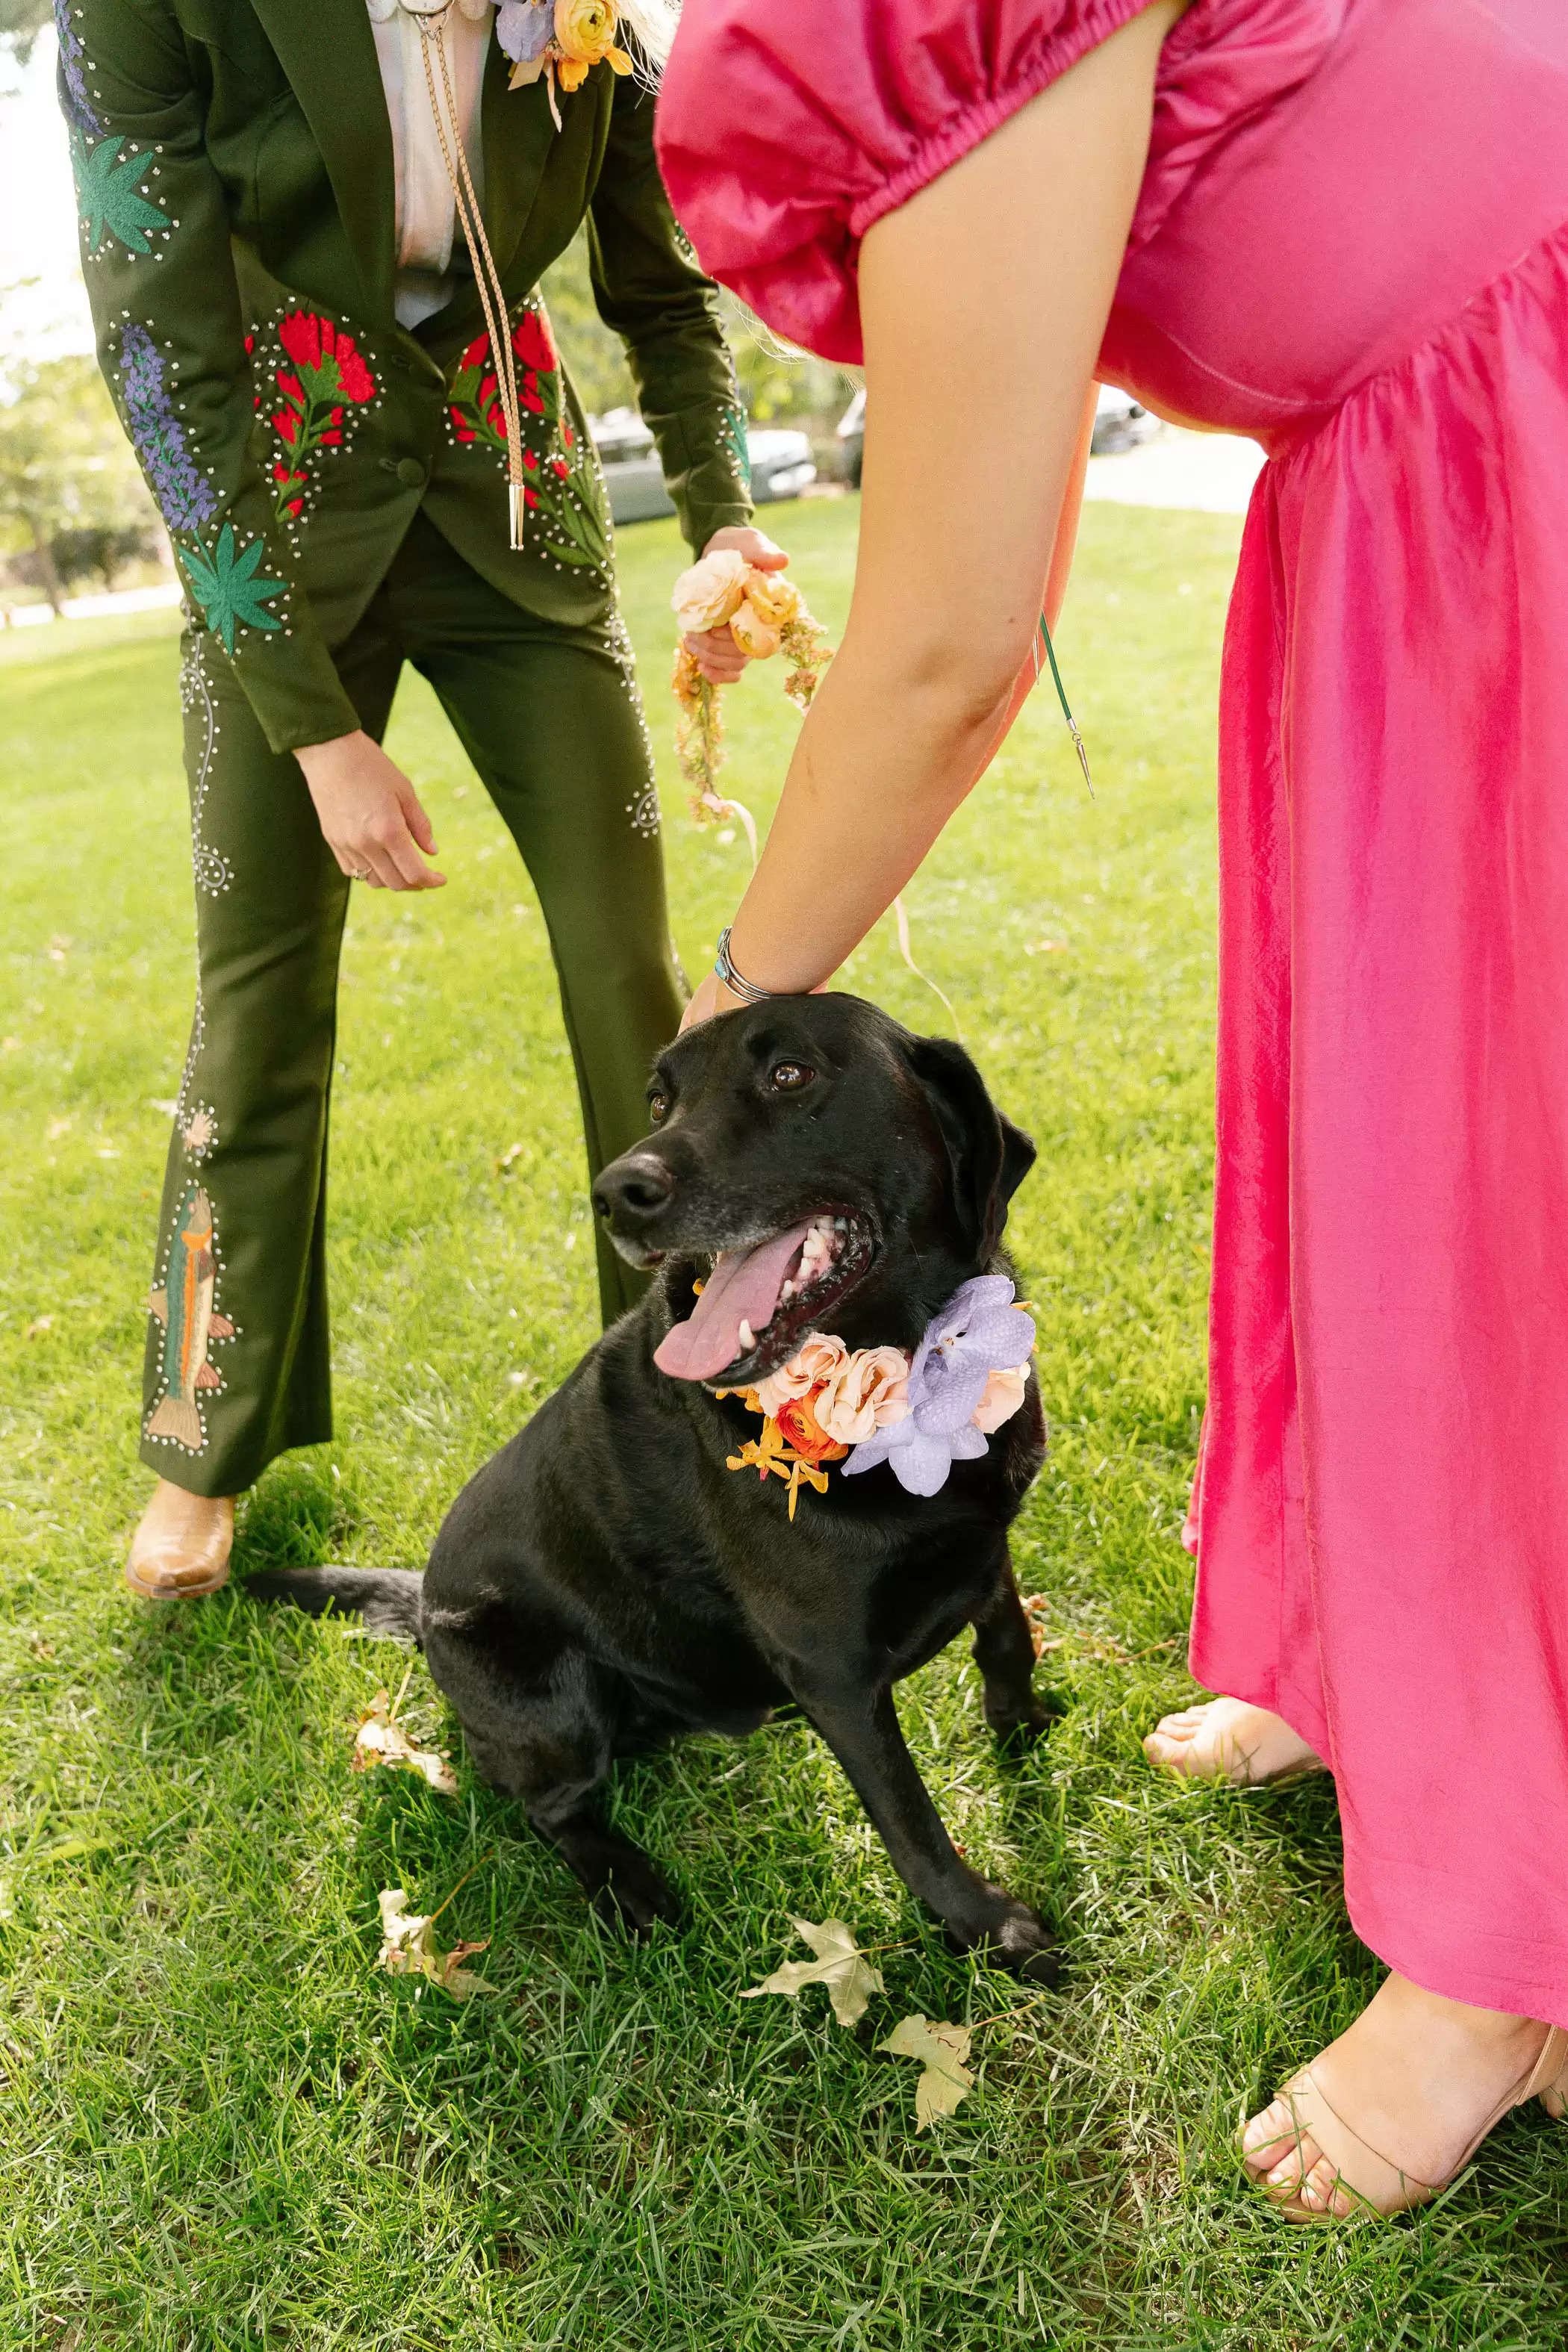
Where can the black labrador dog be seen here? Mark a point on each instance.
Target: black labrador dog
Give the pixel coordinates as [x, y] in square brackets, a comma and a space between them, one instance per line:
[607, 1582]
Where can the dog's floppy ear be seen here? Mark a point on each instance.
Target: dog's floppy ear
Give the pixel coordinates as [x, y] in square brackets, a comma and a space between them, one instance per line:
[990, 1157]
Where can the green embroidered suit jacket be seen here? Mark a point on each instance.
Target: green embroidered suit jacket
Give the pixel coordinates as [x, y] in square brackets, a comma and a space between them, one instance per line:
[234, 168]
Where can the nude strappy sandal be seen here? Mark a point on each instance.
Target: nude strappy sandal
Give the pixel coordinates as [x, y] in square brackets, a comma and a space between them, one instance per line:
[1379, 2185]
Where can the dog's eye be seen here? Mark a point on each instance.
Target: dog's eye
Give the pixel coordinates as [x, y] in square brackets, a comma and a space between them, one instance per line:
[657, 1109]
[788, 1077]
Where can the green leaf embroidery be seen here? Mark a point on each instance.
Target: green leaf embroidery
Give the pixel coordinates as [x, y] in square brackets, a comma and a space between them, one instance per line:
[109, 194]
[223, 585]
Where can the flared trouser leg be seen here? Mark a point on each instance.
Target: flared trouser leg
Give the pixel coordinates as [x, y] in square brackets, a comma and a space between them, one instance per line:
[236, 1366]
[552, 721]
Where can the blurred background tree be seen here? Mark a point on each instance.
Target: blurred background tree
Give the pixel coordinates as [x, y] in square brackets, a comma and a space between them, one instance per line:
[21, 21]
[72, 502]
[777, 384]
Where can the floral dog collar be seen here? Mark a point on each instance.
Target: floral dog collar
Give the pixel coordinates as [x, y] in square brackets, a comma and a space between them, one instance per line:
[919, 1414]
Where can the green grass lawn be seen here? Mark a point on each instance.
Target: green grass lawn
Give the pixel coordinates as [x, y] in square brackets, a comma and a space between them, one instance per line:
[223, 2126]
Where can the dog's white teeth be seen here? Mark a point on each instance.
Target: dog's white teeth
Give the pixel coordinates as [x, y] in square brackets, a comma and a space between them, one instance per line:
[841, 1225]
[748, 1336]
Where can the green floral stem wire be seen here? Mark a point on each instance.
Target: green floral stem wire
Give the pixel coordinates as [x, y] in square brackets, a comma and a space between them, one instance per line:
[1062, 699]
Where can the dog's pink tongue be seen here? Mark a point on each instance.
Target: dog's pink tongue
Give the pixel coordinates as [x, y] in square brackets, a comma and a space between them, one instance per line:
[744, 1287]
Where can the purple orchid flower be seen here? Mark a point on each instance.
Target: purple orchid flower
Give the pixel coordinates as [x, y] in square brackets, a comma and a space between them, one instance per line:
[523, 28]
[978, 1332]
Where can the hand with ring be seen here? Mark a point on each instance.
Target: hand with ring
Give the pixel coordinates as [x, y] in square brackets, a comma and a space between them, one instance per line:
[370, 815]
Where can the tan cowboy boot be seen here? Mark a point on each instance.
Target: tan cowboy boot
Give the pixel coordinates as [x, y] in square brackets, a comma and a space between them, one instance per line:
[182, 1547]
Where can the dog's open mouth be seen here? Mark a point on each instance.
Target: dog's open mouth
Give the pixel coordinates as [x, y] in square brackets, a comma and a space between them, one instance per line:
[758, 1304]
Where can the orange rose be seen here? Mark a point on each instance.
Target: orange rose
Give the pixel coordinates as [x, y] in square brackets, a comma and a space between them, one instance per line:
[798, 1422]
[752, 633]
[773, 597]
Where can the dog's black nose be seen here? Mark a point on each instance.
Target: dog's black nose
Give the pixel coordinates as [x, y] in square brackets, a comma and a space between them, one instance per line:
[633, 1189]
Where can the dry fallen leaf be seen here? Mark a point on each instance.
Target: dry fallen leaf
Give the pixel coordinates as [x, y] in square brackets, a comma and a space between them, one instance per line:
[381, 1739]
[408, 1948]
[509, 1158]
[36, 1329]
[942, 2049]
[840, 1965]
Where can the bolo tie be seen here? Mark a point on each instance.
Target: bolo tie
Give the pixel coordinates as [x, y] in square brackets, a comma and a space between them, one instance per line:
[431, 16]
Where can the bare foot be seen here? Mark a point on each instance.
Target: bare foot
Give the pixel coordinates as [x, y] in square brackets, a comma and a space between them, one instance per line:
[1225, 1739]
[1393, 2109]
[182, 1545]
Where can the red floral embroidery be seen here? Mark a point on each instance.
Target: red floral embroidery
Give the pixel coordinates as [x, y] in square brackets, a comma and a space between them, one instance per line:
[575, 533]
[316, 347]
[329, 376]
[477, 412]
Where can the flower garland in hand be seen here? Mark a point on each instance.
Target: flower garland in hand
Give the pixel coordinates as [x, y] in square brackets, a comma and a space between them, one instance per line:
[765, 613]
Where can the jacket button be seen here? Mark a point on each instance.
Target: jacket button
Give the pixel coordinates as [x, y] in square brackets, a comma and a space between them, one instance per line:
[411, 473]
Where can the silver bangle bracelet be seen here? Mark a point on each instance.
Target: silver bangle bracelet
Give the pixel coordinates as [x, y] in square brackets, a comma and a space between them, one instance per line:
[733, 981]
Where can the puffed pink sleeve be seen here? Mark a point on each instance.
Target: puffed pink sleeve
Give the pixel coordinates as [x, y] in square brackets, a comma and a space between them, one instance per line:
[786, 128]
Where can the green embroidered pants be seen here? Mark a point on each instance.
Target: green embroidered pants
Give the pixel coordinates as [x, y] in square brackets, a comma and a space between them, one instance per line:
[238, 1357]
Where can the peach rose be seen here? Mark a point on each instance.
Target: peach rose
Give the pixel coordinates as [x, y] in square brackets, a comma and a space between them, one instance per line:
[708, 591]
[773, 597]
[867, 1392]
[752, 633]
[817, 1358]
[1003, 1395]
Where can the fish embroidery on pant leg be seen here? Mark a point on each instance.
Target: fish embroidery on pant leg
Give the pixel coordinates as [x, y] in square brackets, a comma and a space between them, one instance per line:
[183, 1304]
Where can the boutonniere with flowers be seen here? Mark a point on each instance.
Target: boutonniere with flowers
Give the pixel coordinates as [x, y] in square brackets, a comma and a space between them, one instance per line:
[561, 39]
[766, 614]
[919, 1413]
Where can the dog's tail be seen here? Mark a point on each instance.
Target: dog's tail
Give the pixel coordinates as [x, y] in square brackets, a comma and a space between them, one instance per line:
[387, 1598]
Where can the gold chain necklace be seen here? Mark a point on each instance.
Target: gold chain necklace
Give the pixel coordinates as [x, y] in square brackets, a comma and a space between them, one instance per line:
[431, 18]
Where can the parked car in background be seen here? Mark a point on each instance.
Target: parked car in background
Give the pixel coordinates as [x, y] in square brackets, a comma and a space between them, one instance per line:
[631, 467]
[1118, 423]
[781, 463]
[851, 432]
[782, 466]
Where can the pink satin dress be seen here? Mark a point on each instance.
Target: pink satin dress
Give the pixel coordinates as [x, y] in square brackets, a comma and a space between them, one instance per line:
[1353, 244]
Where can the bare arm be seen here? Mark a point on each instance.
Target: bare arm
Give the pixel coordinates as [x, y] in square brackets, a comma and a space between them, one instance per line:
[983, 302]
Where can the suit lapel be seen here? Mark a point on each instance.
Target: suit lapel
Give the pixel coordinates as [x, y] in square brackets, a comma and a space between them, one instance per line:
[328, 51]
[518, 136]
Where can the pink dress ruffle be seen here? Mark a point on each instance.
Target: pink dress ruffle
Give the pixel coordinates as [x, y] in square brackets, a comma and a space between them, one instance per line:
[1351, 243]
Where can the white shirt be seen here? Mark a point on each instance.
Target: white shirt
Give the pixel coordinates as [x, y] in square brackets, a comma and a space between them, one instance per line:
[426, 216]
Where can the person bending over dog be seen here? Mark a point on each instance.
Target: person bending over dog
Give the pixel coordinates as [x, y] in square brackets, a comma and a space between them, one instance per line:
[787, 1476]
[360, 435]
[1231, 209]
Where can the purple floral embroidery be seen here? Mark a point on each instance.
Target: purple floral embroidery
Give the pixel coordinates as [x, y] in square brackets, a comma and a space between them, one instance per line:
[186, 500]
[74, 100]
[978, 1332]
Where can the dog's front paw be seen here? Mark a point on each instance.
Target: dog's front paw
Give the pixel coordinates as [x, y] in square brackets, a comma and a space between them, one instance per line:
[1026, 1948]
[634, 1895]
[1018, 1726]
[1012, 1938]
